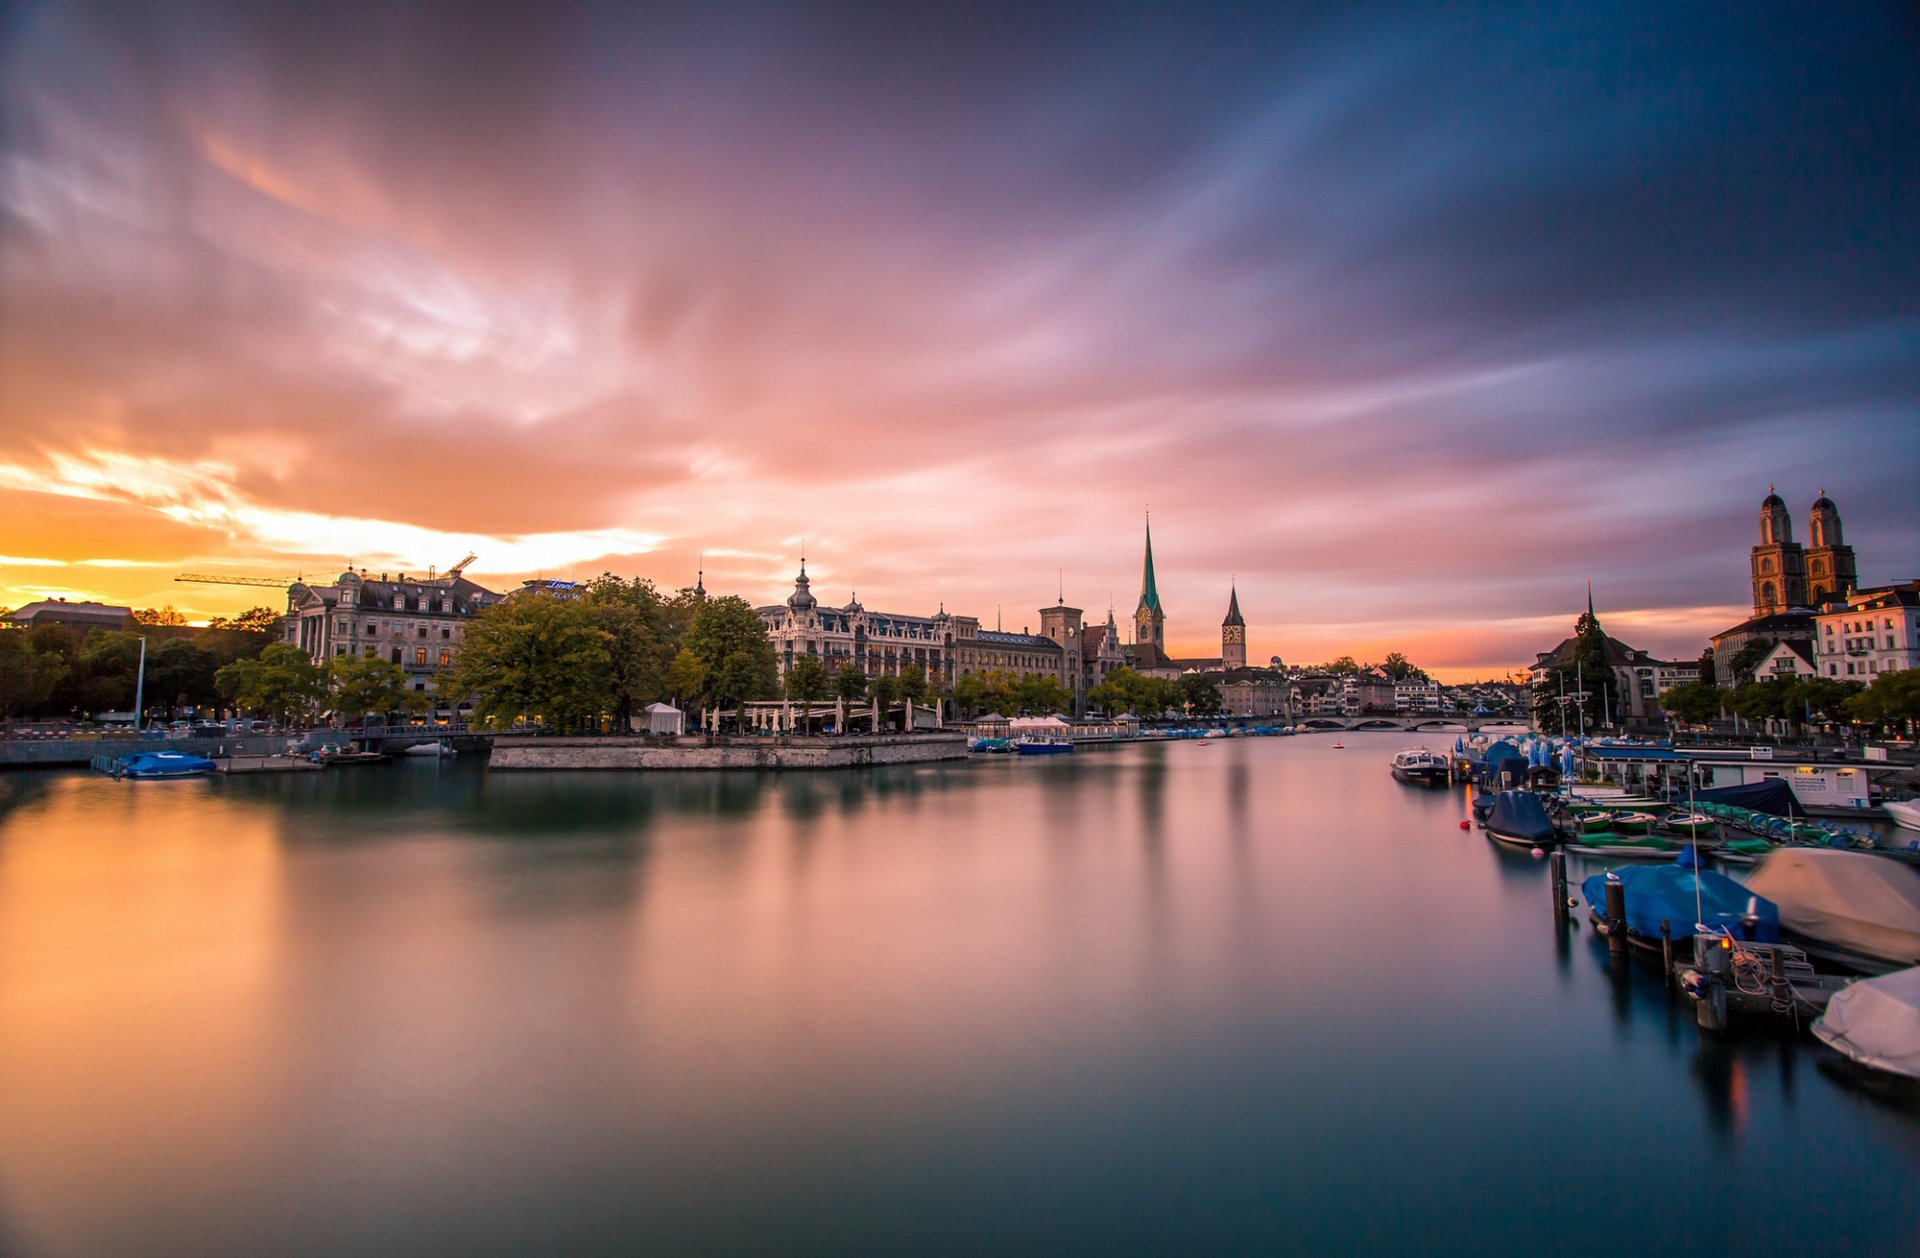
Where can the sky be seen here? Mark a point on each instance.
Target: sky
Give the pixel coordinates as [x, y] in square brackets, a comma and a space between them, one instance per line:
[1406, 319]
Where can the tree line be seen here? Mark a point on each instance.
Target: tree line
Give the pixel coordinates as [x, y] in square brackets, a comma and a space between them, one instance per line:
[54, 671]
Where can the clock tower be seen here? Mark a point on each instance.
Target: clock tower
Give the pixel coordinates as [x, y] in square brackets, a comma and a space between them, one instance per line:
[1233, 634]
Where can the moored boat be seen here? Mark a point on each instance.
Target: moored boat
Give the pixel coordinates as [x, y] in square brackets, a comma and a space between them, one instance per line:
[1849, 907]
[159, 765]
[1904, 813]
[1876, 1023]
[1421, 767]
[1036, 745]
[1519, 819]
[1623, 846]
[1632, 822]
[1685, 899]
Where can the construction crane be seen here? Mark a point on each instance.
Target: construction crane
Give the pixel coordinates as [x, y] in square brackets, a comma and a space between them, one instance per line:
[453, 573]
[277, 583]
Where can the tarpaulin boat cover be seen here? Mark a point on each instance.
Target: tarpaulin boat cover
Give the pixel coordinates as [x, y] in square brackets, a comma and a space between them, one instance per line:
[1504, 766]
[1877, 1022]
[1853, 900]
[1771, 796]
[1521, 815]
[1657, 893]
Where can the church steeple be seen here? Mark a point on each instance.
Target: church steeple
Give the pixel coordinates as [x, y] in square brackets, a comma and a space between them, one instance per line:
[1233, 633]
[1149, 621]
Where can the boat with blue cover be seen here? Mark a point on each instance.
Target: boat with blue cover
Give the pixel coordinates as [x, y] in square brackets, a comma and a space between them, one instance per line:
[1666, 893]
[151, 765]
[1519, 819]
[1042, 745]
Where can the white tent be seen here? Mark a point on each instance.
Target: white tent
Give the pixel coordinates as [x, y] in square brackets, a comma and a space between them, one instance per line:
[1876, 1022]
[1039, 723]
[1853, 900]
[664, 718]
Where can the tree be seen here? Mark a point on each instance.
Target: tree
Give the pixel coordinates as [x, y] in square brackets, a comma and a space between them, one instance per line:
[534, 655]
[686, 676]
[1399, 668]
[729, 640]
[262, 620]
[911, 685]
[180, 674]
[1748, 658]
[27, 674]
[1037, 694]
[1709, 671]
[1892, 698]
[1199, 695]
[1342, 666]
[850, 683]
[109, 670]
[807, 680]
[1582, 668]
[1694, 703]
[885, 692]
[280, 682]
[163, 616]
[640, 651]
[366, 684]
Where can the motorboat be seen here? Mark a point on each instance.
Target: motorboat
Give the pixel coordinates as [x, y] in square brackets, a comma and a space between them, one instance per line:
[1421, 767]
[1876, 1023]
[1043, 745]
[157, 765]
[1519, 819]
[430, 749]
[1606, 843]
[1849, 907]
[1905, 813]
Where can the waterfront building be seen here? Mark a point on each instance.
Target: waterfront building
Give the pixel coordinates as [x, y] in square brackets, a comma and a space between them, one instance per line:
[1252, 692]
[1787, 661]
[416, 623]
[1416, 694]
[882, 644]
[77, 617]
[1868, 633]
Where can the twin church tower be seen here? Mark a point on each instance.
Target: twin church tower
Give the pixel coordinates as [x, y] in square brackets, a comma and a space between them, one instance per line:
[1786, 575]
[1149, 650]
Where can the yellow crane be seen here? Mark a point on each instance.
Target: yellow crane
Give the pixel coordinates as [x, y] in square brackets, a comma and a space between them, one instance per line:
[201, 578]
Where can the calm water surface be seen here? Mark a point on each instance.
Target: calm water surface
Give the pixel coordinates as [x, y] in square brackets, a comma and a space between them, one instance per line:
[1241, 996]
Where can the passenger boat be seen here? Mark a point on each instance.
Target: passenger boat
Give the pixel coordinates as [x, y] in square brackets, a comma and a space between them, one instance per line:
[1041, 745]
[1421, 767]
[1519, 819]
[151, 765]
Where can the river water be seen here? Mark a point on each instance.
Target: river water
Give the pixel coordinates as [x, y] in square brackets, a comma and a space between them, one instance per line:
[1247, 995]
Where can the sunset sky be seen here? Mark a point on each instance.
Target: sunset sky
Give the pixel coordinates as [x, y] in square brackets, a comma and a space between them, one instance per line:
[1409, 318]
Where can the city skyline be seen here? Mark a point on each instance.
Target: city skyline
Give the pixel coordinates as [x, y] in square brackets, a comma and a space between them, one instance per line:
[1405, 324]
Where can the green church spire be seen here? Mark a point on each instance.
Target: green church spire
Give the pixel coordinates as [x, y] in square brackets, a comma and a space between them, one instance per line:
[1149, 592]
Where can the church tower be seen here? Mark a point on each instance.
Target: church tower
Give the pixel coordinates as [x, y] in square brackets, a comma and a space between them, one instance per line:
[1830, 568]
[1233, 634]
[1149, 622]
[1779, 565]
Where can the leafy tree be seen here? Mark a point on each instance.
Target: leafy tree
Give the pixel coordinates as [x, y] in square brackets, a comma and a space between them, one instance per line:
[367, 684]
[280, 682]
[729, 640]
[911, 685]
[850, 683]
[534, 655]
[1892, 698]
[1583, 669]
[261, 620]
[1828, 698]
[164, 616]
[640, 651]
[1695, 703]
[1199, 695]
[807, 680]
[1342, 666]
[1037, 694]
[885, 692]
[109, 670]
[1709, 673]
[27, 674]
[180, 674]
[686, 676]
[1399, 668]
[1748, 658]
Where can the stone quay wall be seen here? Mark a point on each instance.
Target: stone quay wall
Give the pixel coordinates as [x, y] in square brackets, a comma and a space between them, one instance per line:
[793, 752]
[50, 753]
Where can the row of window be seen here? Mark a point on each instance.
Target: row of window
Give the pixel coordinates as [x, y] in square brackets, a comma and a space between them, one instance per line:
[1866, 667]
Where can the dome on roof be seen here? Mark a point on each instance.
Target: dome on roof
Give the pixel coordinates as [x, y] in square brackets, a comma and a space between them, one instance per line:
[801, 600]
[1772, 500]
[1824, 503]
[349, 577]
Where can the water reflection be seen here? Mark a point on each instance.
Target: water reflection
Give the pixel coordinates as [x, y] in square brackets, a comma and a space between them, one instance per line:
[1161, 997]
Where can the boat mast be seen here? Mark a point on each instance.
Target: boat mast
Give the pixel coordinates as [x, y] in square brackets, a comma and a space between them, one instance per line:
[140, 686]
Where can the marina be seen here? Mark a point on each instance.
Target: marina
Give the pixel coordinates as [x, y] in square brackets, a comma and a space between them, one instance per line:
[1002, 1003]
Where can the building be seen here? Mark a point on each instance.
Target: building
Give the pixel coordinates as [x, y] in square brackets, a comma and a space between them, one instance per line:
[881, 644]
[416, 623]
[1233, 633]
[1787, 626]
[77, 617]
[1869, 633]
[1253, 692]
[1147, 653]
[1416, 695]
[1779, 565]
[1787, 661]
[1149, 620]
[1366, 692]
[1639, 678]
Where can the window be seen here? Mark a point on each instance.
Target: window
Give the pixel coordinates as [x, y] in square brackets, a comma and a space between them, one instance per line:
[423, 631]
[446, 657]
[396, 655]
[446, 633]
[420, 655]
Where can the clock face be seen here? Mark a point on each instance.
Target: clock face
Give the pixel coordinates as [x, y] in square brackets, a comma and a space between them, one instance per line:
[1235, 634]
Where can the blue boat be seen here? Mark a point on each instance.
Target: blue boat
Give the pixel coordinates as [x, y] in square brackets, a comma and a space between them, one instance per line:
[1657, 893]
[162, 764]
[1044, 746]
[1520, 819]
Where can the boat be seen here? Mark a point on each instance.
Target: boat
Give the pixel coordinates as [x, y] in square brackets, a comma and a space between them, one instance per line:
[332, 754]
[155, 765]
[1693, 825]
[1421, 767]
[1632, 822]
[1876, 1023]
[1848, 907]
[1339, 746]
[1042, 745]
[430, 749]
[1623, 846]
[1904, 813]
[1714, 903]
[1741, 851]
[1519, 819]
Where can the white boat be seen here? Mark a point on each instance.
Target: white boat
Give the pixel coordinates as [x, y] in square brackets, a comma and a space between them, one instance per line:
[1421, 767]
[1905, 813]
[1876, 1022]
[430, 749]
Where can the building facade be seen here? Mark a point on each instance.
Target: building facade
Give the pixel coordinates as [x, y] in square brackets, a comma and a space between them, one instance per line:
[881, 644]
[1870, 633]
[416, 623]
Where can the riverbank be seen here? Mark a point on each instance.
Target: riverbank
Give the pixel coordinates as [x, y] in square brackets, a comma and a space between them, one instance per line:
[698, 752]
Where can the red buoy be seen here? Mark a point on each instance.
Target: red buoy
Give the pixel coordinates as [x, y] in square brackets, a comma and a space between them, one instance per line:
[1466, 825]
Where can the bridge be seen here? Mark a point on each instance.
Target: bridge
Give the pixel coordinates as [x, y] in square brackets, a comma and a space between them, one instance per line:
[1417, 723]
